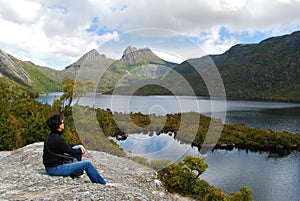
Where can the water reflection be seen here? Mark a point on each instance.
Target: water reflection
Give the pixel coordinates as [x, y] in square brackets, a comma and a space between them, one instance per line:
[270, 178]
[156, 147]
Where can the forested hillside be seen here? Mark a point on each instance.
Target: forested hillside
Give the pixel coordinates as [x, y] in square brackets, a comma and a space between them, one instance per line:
[25, 74]
[22, 118]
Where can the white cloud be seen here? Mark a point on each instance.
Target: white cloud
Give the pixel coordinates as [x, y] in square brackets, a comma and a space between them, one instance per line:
[213, 43]
[168, 56]
[47, 34]
[54, 32]
[19, 11]
[193, 17]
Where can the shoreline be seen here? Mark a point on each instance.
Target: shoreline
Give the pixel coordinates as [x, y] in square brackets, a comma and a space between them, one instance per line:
[198, 96]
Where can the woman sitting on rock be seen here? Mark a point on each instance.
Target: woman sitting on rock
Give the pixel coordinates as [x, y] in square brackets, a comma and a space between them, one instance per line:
[57, 151]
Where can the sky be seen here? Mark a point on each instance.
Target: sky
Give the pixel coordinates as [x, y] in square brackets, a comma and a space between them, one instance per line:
[56, 33]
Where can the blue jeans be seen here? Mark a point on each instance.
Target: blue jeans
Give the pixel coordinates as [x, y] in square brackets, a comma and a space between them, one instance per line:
[68, 169]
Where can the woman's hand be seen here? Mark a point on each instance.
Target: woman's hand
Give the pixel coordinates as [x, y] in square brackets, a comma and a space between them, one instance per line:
[83, 151]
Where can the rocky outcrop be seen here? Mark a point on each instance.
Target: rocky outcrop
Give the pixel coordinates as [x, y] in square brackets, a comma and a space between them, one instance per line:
[22, 177]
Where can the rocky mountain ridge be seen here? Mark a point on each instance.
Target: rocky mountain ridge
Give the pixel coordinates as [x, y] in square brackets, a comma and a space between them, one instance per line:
[23, 177]
[133, 55]
[134, 66]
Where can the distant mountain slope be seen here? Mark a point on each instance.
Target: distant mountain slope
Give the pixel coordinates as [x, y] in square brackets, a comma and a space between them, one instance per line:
[34, 78]
[267, 70]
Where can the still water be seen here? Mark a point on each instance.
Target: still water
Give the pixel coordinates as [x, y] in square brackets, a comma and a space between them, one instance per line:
[270, 178]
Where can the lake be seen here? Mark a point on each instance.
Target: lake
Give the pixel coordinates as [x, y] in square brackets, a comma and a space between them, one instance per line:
[270, 178]
[267, 115]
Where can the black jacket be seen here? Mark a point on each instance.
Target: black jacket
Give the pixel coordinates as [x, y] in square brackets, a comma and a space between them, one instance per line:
[58, 145]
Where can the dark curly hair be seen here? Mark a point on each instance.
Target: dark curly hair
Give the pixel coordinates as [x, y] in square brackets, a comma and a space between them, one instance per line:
[54, 121]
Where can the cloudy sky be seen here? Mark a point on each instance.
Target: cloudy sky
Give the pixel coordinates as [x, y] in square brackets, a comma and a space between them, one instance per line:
[55, 33]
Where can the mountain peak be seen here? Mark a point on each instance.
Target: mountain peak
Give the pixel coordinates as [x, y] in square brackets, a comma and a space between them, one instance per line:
[133, 55]
[129, 49]
[91, 55]
[87, 59]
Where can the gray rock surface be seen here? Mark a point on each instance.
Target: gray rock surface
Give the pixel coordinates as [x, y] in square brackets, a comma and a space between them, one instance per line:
[132, 55]
[22, 177]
